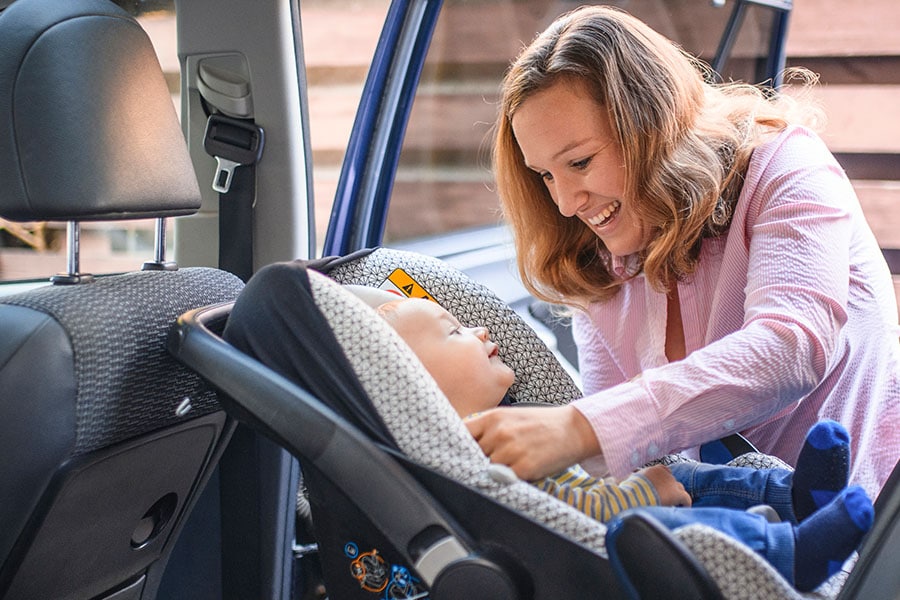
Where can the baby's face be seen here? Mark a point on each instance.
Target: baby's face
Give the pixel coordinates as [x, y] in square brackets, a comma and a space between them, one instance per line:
[462, 360]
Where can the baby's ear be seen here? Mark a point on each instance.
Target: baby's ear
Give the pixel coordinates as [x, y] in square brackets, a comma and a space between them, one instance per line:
[374, 297]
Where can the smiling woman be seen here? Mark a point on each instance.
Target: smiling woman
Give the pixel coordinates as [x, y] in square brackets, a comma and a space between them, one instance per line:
[642, 130]
[716, 297]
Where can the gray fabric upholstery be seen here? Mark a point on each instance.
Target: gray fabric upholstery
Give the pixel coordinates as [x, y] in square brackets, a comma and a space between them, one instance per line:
[127, 383]
[741, 574]
[85, 367]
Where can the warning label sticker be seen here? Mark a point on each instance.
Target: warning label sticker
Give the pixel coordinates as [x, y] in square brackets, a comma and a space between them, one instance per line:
[399, 281]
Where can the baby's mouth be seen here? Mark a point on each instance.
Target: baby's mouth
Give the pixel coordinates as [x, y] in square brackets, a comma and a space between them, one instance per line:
[606, 215]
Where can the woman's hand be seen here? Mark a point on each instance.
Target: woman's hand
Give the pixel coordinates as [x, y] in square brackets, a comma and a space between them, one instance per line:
[671, 492]
[534, 441]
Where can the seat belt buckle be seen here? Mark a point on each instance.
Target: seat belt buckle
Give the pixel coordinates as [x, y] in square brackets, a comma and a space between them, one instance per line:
[233, 143]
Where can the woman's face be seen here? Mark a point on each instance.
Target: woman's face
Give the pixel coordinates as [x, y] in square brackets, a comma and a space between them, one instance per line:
[566, 137]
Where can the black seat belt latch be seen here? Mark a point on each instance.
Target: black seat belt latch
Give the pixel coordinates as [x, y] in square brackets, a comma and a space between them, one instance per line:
[233, 143]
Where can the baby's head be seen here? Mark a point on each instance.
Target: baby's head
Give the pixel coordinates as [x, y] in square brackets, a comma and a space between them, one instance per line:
[462, 360]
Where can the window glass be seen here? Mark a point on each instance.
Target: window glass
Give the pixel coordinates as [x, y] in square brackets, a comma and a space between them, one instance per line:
[38, 250]
[444, 182]
[339, 40]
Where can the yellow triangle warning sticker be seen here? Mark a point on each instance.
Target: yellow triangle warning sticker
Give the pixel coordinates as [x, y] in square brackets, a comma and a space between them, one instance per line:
[400, 281]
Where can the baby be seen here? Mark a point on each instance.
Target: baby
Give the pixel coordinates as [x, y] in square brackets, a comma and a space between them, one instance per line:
[823, 520]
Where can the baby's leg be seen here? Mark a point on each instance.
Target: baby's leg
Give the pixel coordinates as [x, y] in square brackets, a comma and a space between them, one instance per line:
[772, 541]
[737, 487]
[822, 472]
[806, 554]
[830, 535]
[823, 468]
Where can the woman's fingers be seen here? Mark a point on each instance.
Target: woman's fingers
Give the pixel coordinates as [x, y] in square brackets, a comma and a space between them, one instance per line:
[533, 441]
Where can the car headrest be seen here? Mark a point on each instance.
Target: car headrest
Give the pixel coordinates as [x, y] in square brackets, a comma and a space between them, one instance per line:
[89, 130]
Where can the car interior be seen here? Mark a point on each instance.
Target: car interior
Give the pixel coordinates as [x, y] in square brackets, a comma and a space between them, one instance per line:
[152, 458]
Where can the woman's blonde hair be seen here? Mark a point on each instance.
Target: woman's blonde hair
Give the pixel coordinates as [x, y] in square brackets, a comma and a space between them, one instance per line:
[686, 144]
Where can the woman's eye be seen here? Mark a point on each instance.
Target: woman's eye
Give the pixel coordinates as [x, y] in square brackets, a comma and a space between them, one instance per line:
[582, 164]
[547, 176]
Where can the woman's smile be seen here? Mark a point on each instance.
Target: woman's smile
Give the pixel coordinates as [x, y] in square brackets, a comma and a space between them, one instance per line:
[605, 216]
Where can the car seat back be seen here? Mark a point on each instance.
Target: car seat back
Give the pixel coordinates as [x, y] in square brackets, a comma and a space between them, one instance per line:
[106, 439]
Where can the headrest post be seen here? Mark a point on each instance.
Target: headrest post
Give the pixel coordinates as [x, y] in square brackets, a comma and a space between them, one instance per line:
[73, 250]
[73, 247]
[159, 251]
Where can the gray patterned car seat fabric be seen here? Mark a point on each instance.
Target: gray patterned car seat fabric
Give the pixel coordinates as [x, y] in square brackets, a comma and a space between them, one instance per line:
[126, 384]
[428, 430]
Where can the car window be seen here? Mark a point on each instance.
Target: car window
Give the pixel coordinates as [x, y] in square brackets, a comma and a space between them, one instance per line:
[443, 182]
[339, 39]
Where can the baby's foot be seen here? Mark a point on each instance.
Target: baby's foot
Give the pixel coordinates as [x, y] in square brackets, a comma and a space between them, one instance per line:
[827, 538]
[823, 468]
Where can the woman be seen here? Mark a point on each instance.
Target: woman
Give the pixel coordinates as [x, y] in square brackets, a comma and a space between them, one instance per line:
[722, 273]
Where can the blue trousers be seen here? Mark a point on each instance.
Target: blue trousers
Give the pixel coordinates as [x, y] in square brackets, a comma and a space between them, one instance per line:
[720, 494]
[737, 487]
[774, 542]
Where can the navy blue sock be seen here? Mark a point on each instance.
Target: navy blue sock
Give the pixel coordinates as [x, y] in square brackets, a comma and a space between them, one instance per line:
[823, 468]
[827, 538]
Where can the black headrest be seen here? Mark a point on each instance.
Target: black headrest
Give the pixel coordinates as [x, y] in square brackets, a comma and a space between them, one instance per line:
[89, 131]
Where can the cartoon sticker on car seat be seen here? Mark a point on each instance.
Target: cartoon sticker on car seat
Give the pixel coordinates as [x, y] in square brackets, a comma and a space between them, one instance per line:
[403, 585]
[371, 571]
[375, 575]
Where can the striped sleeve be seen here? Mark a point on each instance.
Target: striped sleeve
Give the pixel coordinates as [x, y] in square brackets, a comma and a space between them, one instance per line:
[597, 498]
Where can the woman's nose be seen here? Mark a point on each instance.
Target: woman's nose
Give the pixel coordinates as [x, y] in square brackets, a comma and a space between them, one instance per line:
[569, 199]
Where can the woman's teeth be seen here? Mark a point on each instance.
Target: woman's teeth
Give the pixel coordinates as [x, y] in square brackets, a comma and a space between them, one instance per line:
[605, 214]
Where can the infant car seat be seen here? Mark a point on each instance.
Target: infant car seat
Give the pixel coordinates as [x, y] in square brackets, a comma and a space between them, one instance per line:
[404, 502]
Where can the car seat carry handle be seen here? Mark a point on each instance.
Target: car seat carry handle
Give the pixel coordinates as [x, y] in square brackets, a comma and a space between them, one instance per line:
[384, 492]
[653, 565]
